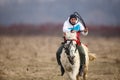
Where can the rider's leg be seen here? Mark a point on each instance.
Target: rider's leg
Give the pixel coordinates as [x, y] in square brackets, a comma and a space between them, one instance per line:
[58, 56]
[82, 58]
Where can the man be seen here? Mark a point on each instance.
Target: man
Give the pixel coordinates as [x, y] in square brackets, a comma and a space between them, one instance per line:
[72, 24]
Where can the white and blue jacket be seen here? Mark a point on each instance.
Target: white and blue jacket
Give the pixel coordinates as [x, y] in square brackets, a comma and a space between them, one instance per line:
[67, 27]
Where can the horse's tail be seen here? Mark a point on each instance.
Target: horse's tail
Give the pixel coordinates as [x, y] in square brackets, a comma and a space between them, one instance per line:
[92, 56]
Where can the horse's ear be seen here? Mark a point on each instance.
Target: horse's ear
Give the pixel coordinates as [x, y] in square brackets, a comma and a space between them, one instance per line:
[74, 42]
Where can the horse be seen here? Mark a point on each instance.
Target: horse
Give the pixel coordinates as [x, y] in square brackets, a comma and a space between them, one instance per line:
[70, 58]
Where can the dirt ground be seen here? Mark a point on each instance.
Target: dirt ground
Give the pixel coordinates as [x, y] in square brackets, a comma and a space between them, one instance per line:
[34, 58]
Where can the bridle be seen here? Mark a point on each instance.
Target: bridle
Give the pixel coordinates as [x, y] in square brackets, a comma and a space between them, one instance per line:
[67, 47]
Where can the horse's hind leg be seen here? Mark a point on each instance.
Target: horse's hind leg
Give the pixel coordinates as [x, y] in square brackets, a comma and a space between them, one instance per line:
[85, 73]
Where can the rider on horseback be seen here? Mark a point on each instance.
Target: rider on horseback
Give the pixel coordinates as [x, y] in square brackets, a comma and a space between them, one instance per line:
[74, 24]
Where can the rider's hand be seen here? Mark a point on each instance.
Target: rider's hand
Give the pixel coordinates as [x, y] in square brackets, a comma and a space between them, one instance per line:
[86, 30]
[72, 31]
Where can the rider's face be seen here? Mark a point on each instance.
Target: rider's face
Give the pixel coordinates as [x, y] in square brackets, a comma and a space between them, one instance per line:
[73, 20]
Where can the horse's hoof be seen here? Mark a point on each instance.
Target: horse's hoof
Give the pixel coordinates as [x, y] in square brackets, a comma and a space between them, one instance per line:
[62, 71]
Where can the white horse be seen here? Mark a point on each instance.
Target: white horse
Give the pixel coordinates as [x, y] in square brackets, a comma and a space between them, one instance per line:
[71, 63]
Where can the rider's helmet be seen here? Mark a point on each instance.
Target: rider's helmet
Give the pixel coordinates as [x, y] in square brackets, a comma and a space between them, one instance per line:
[73, 19]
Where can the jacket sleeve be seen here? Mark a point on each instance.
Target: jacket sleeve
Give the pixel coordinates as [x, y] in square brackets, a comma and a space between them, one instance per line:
[65, 27]
[82, 28]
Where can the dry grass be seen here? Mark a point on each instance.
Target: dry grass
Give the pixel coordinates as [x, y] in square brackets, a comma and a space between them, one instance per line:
[33, 58]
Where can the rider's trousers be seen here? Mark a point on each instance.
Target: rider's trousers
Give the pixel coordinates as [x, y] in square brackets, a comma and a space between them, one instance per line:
[58, 54]
[82, 54]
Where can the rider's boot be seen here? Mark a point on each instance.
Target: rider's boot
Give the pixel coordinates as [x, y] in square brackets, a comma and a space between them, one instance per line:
[58, 56]
[62, 70]
[82, 59]
[81, 69]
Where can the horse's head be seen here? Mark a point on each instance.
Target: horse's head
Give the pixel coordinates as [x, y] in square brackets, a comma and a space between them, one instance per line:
[70, 50]
[71, 42]
[70, 47]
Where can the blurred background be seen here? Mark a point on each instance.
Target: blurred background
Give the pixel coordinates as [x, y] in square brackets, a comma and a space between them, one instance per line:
[31, 32]
[97, 14]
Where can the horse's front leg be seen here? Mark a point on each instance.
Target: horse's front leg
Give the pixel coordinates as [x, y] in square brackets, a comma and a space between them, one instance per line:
[71, 76]
[78, 77]
[75, 73]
